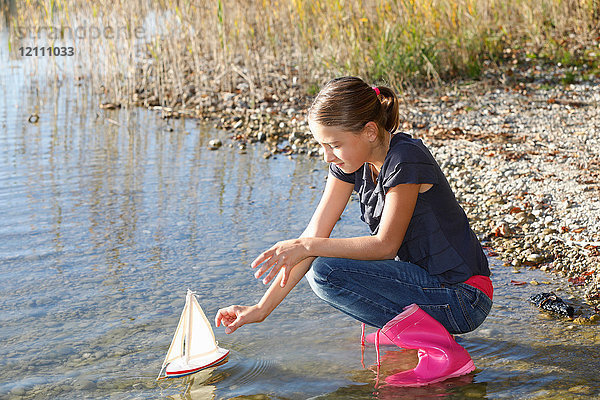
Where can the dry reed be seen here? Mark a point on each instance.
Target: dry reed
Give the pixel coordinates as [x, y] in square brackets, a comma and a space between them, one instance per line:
[192, 49]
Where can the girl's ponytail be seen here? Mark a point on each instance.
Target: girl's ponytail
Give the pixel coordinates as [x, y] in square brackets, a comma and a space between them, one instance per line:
[349, 103]
[391, 109]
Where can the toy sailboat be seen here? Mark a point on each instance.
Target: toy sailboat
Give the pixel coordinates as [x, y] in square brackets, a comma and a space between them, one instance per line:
[193, 347]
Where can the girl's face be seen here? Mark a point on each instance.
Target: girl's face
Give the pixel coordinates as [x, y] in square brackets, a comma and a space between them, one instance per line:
[349, 151]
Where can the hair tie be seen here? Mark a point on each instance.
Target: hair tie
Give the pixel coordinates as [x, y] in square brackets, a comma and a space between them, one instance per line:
[376, 89]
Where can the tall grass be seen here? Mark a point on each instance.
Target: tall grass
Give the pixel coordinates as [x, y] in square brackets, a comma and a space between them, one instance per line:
[197, 48]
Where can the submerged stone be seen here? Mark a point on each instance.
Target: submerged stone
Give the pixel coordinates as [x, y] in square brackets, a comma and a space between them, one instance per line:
[552, 303]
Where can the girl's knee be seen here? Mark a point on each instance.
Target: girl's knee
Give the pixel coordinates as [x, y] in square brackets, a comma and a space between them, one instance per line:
[319, 273]
[323, 267]
[315, 273]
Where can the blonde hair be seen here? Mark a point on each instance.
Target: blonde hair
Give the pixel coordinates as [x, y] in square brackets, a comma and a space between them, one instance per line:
[349, 103]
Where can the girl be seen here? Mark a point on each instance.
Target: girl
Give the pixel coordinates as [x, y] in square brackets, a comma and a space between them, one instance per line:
[419, 276]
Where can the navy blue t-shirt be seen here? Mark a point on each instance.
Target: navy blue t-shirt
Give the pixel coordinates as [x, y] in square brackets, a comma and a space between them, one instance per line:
[438, 238]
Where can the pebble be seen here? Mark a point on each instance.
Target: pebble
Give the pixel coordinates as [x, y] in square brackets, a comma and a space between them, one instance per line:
[488, 332]
[99, 354]
[581, 389]
[18, 391]
[214, 144]
[84, 384]
[535, 258]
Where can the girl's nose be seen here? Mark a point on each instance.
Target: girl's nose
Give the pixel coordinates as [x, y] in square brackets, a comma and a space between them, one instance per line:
[328, 154]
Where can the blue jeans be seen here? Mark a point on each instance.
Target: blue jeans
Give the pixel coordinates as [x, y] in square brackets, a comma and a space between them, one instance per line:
[374, 292]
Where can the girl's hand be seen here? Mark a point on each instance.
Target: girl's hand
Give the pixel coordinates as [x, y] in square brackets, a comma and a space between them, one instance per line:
[285, 254]
[234, 317]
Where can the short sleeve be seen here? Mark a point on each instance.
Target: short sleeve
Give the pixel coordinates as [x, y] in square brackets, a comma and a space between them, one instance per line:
[341, 175]
[410, 166]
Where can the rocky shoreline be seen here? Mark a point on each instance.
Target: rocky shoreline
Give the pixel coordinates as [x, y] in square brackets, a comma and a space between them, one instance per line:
[522, 154]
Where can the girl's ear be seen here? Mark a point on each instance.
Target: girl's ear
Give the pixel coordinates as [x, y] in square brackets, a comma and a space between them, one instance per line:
[371, 130]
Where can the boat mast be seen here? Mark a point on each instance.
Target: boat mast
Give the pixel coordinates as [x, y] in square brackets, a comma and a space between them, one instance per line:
[190, 324]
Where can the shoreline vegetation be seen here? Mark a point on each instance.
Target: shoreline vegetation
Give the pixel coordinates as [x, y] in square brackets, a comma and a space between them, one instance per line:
[490, 81]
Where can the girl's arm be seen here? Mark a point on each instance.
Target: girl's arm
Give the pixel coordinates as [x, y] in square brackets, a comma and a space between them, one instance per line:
[330, 208]
[397, 212]
[236, 316]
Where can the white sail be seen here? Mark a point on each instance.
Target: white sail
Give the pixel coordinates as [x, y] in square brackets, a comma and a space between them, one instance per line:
[202, 338]
[176, 349]
[193, 346]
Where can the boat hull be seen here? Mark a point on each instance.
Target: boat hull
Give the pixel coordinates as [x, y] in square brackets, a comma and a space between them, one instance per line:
[180, 367]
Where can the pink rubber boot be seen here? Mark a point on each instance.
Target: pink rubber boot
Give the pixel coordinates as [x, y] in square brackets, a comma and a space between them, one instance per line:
[440, 357]
[383, 340]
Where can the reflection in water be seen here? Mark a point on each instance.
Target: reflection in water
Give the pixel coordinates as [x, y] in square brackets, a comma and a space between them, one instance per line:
[199, 386]
[8, 9]
[455, 388]
[105, 226]
[394, 360]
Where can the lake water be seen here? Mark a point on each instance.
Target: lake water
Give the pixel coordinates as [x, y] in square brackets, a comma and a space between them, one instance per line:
[109, 216]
